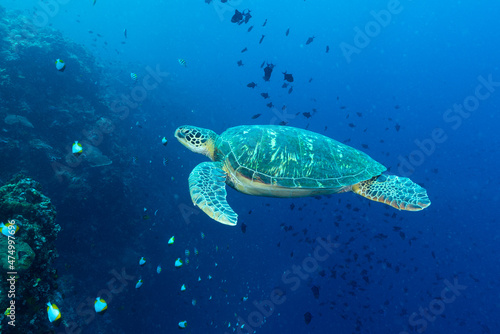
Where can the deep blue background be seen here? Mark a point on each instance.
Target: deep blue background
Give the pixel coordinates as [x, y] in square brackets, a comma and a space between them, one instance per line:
[428, 58]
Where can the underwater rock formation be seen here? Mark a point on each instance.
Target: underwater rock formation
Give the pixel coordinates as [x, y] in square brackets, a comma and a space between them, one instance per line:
[52, 109]
[21, 200]
[23, 256]
[13, 119]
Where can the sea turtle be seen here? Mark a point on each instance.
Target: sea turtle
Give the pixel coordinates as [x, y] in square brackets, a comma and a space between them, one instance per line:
[283, 161]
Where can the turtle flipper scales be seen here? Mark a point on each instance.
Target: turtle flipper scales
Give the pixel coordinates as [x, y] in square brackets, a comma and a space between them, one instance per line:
[398, 192]
[207, 186]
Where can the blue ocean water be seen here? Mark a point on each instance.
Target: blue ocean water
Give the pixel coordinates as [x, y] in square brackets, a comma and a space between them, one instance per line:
[416, 85]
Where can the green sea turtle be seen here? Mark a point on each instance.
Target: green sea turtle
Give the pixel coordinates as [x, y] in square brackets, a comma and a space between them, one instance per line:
[282, 161]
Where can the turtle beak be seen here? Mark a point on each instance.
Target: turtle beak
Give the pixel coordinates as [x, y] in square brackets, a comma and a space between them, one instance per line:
[179, 134]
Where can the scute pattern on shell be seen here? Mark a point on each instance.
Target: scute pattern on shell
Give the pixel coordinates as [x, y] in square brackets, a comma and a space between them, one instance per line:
[292, 157]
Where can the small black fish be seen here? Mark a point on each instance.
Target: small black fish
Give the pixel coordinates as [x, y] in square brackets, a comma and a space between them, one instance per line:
[309, 40]
[310, 80]
[240, 63]
[264, 95]
[283, 123]
[243, 227]
[285, 85]
[264, 23]
[256, 116]
[262, 38]
[327, 49]
[352, 125]
[397, 126]
[237, 17]
[288, 77]
[359, 114]
[287, 32]
[250, 29]
[125, 33]
[307, 317]
[290, 90]
[307, 114]
[244, 50]
[315, 291]
[252, 84]
[268, 70]
[247, 16]
[263, 63]
[270, 105]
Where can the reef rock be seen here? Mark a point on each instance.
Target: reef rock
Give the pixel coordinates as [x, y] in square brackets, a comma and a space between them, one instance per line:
[22, 253]
[13, 119]
[21, 200]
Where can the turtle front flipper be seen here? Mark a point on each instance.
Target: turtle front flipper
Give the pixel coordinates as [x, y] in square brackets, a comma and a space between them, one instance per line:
[398, 192]
[207, 185]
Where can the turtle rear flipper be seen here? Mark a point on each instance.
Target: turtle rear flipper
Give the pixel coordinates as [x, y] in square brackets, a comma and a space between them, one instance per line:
[207, 185]
[398, 192]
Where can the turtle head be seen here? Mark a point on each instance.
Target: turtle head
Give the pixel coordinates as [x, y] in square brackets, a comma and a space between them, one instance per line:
[198, 140]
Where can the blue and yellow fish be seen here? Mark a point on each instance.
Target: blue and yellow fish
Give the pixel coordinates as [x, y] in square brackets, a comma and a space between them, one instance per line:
[100, 305]
[53, 312]
[9, 228]
[60, 65]
[77, 148]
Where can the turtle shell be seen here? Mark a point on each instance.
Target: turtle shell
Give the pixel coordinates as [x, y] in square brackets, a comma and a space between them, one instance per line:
[292, 158]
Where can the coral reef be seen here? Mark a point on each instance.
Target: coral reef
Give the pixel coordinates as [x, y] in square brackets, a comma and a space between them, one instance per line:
[21, 200]
[48, 108]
